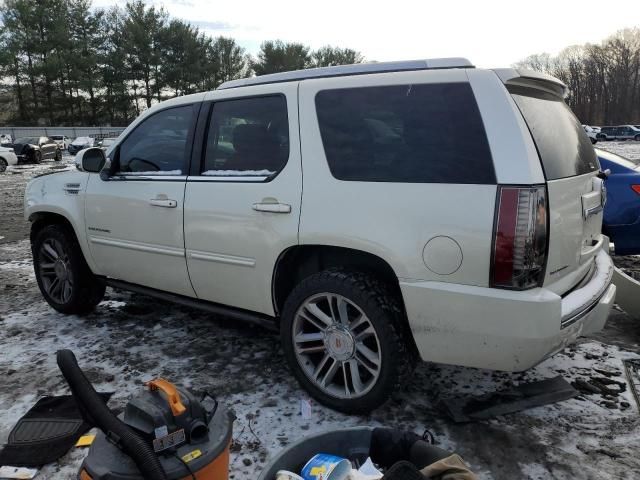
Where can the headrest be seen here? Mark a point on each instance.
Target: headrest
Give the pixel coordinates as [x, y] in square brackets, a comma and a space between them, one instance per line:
[252, 137]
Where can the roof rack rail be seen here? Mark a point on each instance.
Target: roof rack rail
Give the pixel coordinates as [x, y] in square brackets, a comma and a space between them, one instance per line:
[355, 69]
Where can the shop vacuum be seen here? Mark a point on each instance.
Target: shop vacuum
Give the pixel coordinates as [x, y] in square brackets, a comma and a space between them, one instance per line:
[165, 432]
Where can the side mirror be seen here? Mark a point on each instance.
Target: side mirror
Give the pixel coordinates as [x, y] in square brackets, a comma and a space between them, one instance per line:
[90, 160]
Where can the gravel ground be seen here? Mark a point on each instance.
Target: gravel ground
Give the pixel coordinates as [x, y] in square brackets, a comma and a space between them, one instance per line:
[132, 338]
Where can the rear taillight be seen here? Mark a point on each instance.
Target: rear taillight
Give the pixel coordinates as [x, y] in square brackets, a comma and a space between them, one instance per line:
[636, 188]
[520, 237]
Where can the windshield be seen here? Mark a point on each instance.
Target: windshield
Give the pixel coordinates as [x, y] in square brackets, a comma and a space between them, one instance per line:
[82, 141]
[108, 142]
[32, 140]
[563, 146]
[57, 137]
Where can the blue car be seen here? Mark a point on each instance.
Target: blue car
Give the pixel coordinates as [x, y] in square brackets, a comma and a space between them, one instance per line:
[622, 210]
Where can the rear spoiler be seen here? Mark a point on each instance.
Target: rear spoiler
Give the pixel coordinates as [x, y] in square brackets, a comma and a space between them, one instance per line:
[529, 78]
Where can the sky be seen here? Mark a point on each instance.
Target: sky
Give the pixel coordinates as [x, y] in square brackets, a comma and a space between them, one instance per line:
[490, 33]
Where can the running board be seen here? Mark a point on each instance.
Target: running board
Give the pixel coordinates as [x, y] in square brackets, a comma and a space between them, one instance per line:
[229, 312]
[627, 293]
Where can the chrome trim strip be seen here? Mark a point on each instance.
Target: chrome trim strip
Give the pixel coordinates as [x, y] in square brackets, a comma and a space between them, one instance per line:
[226, 179]
[173, 178]
[141, 247]
[567, 322]
[592, 211]
[221, 258]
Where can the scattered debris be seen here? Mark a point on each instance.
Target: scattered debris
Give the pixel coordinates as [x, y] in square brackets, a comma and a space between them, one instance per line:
[522, 397]
[632, 369]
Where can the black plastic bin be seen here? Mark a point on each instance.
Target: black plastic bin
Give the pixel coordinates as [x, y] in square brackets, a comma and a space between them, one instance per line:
[351, 443]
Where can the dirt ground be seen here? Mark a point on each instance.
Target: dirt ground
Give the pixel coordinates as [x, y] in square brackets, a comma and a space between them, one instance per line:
[131, 338]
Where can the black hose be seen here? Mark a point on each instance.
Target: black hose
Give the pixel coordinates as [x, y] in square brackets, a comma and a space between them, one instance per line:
[91, 403]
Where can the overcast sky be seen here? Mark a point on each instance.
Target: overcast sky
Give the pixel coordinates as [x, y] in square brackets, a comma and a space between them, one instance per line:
[490, 33]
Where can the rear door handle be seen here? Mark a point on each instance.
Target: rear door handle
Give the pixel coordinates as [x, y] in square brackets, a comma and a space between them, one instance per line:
[272, 207]
[161, 202]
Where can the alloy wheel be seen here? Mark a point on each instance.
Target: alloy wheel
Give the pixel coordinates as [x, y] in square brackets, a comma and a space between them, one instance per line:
[55, 271]
[336, 345]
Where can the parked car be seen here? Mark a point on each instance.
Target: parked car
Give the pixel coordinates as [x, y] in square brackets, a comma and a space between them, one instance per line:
[62, 141]
[36, 149]
[622, 211]
[7, 157]
[622, 132]
[5, 139]
[79, 144]
[398, 244]
[105, 143]
[592, 133]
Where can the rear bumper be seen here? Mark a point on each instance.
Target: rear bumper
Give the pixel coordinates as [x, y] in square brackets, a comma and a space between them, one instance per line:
[501, 329]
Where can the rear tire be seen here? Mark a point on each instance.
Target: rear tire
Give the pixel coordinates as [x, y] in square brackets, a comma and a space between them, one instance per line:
[64, 278]
[3, 165]
[58, 155]
[37, 156]
[637, 138]
[343, 337]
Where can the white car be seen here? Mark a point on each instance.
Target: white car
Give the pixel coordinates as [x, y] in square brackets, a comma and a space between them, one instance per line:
[592, 133]
[62, 140]
[439, 218]
[7, 157]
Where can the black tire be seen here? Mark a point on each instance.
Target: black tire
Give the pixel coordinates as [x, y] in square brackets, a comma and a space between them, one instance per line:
[3, 165]
[593, 141]
[385, 313]
[58, 155]
[85, 290]
[37, 156]
[637, 138]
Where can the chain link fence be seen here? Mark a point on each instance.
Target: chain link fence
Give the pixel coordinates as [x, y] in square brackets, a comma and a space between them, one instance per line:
[71, 132]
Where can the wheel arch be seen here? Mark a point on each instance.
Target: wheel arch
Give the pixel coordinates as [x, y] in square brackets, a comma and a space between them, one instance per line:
[300, 261]
[42, 219]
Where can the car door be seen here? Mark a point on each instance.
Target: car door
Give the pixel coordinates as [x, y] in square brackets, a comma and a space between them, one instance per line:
[134, 219]
[242, 201]
[45, 147]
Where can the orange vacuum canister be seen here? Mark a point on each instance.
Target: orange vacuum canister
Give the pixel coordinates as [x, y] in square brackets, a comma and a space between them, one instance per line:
[190, 437]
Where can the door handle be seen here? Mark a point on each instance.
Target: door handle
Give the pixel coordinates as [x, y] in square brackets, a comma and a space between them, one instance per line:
[272, 207]
[163, 202]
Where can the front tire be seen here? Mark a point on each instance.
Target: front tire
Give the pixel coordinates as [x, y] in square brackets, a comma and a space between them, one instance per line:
[63, 276]
[37, 156]
[3, 165]
[343, 337]
[58, 156]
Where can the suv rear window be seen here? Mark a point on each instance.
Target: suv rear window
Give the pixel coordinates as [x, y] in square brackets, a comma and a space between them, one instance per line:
[563, 145]
[426, 133]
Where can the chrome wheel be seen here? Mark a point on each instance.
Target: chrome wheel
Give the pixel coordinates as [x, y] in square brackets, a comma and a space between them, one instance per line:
[55, 271]
[336, 345]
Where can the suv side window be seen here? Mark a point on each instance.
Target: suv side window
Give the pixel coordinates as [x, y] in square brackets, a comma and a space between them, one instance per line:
[159, 144]
[421, 133]
[248, 137]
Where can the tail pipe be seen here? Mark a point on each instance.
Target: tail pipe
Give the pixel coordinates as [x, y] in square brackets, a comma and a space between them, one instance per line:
[99, 414]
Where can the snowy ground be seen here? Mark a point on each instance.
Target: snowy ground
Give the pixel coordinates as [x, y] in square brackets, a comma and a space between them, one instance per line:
[131, 338]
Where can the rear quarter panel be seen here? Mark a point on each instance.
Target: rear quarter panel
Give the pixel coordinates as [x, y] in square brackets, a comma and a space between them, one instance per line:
[392, 220]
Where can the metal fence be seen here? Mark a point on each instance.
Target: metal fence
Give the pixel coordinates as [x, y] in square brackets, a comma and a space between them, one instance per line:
[71, 132]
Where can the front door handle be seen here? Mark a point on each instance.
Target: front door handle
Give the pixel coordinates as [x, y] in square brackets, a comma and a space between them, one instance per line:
[272, 207]
[163, 202]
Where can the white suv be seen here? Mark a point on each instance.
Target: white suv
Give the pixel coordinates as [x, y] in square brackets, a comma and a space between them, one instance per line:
[376, 214]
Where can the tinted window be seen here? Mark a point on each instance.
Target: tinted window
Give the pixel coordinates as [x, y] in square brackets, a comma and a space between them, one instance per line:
[563, 146]
[247, 137]
[158, 144]
[428, 133]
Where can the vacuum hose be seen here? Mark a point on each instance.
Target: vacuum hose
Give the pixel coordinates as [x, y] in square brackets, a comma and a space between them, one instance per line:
[116, 430]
